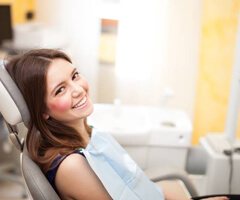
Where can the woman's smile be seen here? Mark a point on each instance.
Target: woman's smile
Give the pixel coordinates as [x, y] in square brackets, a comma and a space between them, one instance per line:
[81, 104]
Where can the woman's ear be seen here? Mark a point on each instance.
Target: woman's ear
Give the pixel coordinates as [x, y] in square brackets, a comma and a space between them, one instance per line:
[45, 116]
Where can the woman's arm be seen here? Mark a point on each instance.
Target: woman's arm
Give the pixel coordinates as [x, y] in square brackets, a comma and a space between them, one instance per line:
[76, 180]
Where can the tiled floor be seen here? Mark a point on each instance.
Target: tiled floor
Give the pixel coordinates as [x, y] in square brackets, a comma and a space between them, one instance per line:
[12, 191]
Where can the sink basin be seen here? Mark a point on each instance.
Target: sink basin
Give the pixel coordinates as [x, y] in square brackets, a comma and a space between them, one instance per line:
[138, 125]
[170, 127]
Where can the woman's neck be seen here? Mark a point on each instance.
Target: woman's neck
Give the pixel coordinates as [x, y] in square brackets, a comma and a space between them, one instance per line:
[80, 127]
[83, 133]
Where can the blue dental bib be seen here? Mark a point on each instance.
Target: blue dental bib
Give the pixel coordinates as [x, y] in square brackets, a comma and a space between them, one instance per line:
[119, 174]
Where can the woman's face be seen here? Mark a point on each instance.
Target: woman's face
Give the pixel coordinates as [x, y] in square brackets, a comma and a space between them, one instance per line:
[67, 97]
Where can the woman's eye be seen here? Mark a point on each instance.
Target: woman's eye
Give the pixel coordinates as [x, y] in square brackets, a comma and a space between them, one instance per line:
[61, 89]
[75, 75]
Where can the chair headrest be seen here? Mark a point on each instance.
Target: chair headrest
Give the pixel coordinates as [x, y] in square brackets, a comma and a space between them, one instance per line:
[12, 104]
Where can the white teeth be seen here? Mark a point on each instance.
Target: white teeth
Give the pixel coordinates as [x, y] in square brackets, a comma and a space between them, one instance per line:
[82, 102]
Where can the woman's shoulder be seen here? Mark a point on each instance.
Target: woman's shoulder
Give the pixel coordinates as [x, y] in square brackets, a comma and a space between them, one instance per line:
[71, 162]
[51, 173]
[75, 171]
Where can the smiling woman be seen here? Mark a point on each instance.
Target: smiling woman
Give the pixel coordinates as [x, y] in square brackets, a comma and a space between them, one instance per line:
[32, 72]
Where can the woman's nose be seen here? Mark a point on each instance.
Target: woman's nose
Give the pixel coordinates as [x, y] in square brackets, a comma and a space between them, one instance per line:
[77, 90]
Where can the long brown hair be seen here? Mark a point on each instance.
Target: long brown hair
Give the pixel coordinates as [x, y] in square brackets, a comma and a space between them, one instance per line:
[46, 138]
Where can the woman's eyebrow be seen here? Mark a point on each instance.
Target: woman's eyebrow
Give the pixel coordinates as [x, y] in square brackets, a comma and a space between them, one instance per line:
[73, 71]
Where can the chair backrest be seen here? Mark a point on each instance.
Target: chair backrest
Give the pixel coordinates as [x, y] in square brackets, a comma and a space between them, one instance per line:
[15, 112]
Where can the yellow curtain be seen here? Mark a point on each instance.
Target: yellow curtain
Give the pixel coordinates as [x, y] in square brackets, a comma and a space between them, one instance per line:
[19, 9]
[218, 42]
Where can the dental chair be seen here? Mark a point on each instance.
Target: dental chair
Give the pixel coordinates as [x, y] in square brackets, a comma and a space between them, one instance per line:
[9, 162]
[16, 115]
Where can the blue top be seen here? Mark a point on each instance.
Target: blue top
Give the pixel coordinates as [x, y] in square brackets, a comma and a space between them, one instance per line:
[51, 173]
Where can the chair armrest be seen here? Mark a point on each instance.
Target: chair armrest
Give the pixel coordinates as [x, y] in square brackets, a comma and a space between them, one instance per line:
[230, 196]
[160, 174]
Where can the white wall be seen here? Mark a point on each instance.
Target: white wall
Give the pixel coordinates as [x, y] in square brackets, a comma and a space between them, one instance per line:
[161, 50]
[182, 58]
